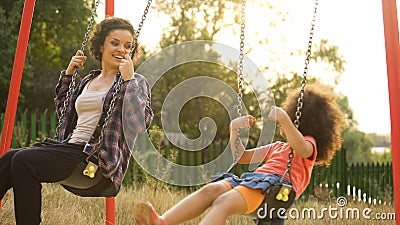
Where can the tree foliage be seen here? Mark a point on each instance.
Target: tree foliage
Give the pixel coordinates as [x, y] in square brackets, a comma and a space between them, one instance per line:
[57, 31]
[10, 16]
[358, 146]
[186, 24]
[194, 20]
[330, 55]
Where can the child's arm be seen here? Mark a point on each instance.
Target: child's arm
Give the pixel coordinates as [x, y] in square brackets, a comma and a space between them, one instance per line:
[295, 139]
[244, 156]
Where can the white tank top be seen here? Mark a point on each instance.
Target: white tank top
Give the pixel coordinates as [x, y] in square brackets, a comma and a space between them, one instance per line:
[89, 106]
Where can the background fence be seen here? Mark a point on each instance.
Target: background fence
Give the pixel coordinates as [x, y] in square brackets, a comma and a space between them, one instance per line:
[368, 182]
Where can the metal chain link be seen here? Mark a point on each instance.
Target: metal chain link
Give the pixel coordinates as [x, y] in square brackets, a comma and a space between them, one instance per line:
[134, 44]
[303, 84]
[241, 57]
[120, 80]
[108, 115]
[90, 25]
[307, 62]
[72, 85]
[240, 79]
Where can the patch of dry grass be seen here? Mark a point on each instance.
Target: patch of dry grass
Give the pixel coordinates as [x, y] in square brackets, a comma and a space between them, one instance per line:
[62, 207]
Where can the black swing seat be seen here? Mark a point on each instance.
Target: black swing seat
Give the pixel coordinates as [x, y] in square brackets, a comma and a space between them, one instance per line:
[83, 181]
[103, 188]
[82, 185]
[278, 199]
[77, 179]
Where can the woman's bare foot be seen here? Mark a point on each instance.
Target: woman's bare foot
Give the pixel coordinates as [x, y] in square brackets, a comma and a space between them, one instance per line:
[145, 214]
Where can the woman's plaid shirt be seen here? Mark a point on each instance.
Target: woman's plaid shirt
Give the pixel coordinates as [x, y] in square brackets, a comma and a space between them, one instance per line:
[132, 114]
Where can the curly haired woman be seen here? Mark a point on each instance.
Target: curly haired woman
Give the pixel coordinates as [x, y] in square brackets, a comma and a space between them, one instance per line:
[25, 169]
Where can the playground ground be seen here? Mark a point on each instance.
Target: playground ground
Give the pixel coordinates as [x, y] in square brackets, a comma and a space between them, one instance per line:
[62, 207]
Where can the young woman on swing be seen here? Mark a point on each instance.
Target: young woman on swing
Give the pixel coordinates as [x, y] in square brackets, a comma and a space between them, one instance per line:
[25, 169]
[314, 142]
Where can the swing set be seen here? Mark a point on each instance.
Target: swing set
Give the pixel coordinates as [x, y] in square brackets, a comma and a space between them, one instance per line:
[280, 195]
[274, 197]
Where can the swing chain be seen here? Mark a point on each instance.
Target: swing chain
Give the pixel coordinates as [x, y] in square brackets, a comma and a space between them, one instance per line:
[109, 112]
[120, 80]
[143, 18]
[89, 27]
[72, 85]
[307, 62]
[303, 84]
[241, 57]
[240, 80]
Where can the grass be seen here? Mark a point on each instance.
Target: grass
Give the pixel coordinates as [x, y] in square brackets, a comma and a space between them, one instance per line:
[62, 207]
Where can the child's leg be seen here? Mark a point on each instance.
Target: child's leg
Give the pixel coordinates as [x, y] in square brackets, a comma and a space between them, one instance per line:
[188, 208]
[194, 204]
[229, 203]
[241, 200]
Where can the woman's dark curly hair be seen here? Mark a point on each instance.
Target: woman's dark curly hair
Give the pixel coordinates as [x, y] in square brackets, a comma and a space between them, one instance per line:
[103, 29]
[321, 118]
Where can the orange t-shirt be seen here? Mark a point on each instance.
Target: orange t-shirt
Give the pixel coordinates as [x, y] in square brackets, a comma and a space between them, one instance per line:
[277, 155]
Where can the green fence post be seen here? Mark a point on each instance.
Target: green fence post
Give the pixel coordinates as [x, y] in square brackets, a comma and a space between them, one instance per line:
[192, 162]
[24, 125]
[33, 127]
[184, 161]
[373, 188]
[343, 172]
[1, 121]
[43, 124]
[53, 124]
[389, 169]
[199, 155]
[351, 176]
[381, 181]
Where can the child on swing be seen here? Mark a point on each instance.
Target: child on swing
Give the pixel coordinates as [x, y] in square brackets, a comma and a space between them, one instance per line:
[316, 140]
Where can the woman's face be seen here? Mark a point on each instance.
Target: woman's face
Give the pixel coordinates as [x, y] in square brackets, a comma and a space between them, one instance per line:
[116, 45]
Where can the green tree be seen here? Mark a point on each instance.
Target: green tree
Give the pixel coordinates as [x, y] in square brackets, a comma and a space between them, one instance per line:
[330, 55]
[191, 20]
[357, 145]
[344, 105]
[10, 17]
[380, 140]
[57, 31]
[203, 20]
[382, 157]
[194, 20]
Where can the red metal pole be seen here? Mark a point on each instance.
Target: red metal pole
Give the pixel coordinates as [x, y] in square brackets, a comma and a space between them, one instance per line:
[391, 31]
[110, 211]
[110, 202]
[109, 8]
[16, 76]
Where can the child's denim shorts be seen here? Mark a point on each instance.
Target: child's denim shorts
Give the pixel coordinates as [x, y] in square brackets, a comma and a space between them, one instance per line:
[252, 180]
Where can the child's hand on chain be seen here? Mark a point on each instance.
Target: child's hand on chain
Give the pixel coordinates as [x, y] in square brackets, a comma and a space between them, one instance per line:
[243, 122]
